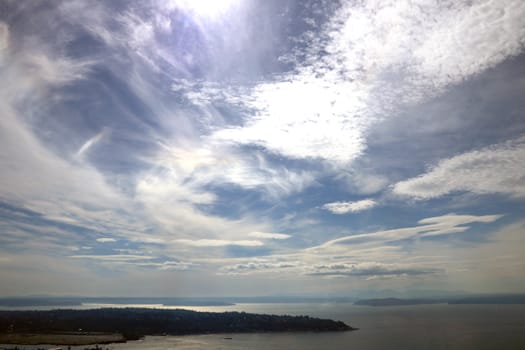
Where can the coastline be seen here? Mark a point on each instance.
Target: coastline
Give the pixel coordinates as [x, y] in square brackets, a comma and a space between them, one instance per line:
[80, 338]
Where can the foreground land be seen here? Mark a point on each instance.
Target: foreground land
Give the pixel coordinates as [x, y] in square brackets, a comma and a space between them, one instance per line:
[97, 326]
[77, 338]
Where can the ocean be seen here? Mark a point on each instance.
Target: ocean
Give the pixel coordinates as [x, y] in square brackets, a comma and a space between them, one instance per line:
[437, 326]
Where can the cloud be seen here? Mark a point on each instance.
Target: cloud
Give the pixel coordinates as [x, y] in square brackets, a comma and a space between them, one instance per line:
[349, 207]
[218, 243]
[170, 199]
[383, 254]
[106, 240]
[196, 126]
[434, 226]
[477, 37]
[36, 177]
[168, 265]
[340, 86]
[361, 181]
[440, 224]
[373, 269]
[92, 141]
[494, 169]
[268, 235]
[4, 41]
[304, 117]
[118, 257]
[258, 266]
[187, 170]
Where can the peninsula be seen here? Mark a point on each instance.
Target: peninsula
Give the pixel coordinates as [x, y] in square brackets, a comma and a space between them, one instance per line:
[98, 326]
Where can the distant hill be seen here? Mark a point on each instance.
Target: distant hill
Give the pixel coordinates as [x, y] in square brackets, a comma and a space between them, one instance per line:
[54, 301]
[472, 299]
[41, 301]
[396, 301]
[490, 299]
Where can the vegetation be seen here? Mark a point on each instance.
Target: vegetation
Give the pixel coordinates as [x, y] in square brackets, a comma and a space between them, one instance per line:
[134, 323]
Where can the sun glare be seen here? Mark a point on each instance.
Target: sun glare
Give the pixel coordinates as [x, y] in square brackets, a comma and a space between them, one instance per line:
[207, 8]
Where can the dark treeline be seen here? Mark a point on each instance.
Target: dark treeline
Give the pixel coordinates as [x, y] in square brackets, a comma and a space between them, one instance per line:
[136, 323]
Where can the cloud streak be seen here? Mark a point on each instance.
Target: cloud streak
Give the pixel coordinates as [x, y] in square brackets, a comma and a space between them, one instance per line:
[340, 208]
[218, 243]
[494, 169]
[92, 141]
[269, 235]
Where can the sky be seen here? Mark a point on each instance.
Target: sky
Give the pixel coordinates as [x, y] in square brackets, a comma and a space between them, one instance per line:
[250, 148]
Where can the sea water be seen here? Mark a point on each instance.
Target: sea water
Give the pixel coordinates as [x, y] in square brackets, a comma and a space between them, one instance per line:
[439, 326]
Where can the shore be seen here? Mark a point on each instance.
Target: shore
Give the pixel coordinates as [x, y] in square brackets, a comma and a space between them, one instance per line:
[79, 338]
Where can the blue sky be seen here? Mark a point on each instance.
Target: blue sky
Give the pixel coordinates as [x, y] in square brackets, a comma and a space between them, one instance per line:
[198, 148]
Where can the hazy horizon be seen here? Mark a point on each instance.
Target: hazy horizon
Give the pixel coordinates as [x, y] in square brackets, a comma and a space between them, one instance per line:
[251, 148]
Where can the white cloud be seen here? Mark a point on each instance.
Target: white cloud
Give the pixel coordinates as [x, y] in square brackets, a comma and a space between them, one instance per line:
[172, 192]
[268, 235]
[217, 243]
[106, 240]
[470, 39]
[304, 117]
[169, 265]
[220, 164]
[451, 223]
[259, 266]
[373, 269]
[494, 169]
[33, 176]
[92, 141]
[434, 226]
[370, 255]
[119, 257]
[349, 207]
[323, 109]
[361, 181]
[4, 41]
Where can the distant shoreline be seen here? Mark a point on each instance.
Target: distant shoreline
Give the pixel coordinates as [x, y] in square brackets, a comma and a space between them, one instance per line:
[468, 300]
[15, 302]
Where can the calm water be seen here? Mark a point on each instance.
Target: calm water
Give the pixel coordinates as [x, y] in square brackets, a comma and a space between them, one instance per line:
[438, 326]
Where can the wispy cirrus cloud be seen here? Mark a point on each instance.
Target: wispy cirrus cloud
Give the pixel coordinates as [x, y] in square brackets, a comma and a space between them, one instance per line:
[349, 207]
[374, 270]
[92, 141]
[106, 240]
[494, 169]
[116, 257]
[382, 254]
[268, 235]
[434, 226]
[218, 243]
[4, 40]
